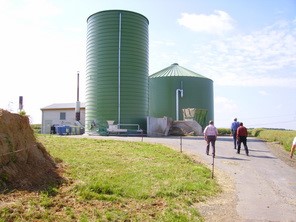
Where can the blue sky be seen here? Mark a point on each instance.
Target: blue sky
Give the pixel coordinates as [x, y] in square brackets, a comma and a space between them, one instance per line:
[247, 47]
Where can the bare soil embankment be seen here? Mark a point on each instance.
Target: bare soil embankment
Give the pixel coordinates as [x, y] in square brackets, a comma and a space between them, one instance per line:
[24, 163]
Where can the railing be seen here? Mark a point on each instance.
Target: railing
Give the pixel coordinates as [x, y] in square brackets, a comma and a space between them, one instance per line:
[128, 130]
[127, 124]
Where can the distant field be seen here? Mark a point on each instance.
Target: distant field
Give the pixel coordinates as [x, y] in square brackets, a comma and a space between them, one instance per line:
[284, 137]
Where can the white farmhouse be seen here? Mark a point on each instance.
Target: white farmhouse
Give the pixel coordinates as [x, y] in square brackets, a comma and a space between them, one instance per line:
[61, 114]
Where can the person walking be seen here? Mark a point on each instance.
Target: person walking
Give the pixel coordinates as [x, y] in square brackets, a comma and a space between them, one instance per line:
[293, 147]
[233, 128]
[210, 133]
[242, 134]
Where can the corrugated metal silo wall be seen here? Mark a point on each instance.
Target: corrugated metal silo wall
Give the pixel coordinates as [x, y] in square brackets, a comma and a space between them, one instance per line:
[198, 93]
[116, 39]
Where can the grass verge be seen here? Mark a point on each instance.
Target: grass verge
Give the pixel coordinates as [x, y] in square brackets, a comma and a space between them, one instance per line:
[116, 181]
[284, 137]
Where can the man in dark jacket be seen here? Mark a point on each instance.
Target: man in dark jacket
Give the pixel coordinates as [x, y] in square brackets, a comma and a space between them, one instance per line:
[242, 134]
[233, 128]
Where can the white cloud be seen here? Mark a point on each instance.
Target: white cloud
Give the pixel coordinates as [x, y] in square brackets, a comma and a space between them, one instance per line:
[38, 9]
[262, 58]
[278, 107]
[216, 23]
[263, 93]
[163, 53]
[225, 105]
[225, 110]
[163, 42]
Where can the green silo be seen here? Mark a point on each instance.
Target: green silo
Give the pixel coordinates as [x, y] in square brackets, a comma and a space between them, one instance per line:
[117, 68]
[175, 88]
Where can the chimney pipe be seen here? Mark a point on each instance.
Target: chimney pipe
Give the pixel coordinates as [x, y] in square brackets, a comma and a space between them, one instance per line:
[77, 108]
[21, 106]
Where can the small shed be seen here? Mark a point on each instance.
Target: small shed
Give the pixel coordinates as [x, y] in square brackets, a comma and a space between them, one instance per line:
[60, 114]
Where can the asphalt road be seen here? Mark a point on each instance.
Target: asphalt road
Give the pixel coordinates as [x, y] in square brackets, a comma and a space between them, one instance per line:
[265, 186]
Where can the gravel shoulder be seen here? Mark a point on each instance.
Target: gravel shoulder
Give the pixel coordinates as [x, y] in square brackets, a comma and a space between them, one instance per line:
[223, 206]
[280, 153]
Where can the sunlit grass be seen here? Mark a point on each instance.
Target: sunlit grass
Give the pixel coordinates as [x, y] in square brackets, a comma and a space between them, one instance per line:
[284, 137]
[119, 181]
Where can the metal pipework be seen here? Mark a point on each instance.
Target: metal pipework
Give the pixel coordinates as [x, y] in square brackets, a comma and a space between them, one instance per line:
[119, 63]
[177, 102]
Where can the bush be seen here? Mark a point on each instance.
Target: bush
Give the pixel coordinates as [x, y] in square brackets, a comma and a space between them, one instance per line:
[227, 132]
[224, 131]
[36, 128]
[256, 132]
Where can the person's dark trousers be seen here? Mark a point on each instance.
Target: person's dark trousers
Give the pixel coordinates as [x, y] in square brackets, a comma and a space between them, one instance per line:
[234, 138]
[242, 139]
[211, 140]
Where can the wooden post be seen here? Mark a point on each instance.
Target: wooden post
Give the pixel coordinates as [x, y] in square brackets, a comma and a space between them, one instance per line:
[213, 167]
[181, 150]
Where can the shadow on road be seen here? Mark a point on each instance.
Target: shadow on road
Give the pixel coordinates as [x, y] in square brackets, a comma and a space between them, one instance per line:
[263, 157]
[231, 158]
[261, 151]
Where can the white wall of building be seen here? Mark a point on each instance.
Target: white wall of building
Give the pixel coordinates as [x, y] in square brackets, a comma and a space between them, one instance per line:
[53, 116]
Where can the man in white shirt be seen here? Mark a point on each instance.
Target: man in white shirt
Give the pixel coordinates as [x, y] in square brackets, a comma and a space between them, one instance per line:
[211, 134]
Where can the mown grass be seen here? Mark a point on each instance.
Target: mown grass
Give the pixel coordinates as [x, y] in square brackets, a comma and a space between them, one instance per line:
[117, 181]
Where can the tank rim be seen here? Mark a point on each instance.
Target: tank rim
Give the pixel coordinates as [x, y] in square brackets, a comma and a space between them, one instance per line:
[117, 10]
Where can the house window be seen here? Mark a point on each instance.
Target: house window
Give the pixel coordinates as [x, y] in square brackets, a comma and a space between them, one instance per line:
[62, 116]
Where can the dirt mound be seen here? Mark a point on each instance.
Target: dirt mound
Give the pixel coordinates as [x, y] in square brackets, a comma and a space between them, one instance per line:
[24, 163]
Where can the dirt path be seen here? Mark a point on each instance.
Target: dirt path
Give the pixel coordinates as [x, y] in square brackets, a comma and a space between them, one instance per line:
[259, 187]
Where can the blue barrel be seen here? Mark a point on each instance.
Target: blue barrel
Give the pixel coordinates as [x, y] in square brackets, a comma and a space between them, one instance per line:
[61, 130]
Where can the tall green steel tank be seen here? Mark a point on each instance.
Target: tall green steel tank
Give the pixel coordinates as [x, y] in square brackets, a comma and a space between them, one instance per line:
[117, 68]
[176, 88]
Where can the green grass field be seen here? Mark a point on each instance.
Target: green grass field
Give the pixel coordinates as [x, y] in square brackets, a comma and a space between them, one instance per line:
[116, 181]
[284, 137]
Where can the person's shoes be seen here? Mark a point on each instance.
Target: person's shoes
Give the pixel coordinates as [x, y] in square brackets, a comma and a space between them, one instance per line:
[237, 152]
[207, 153]
[247, 154]
[235, 148]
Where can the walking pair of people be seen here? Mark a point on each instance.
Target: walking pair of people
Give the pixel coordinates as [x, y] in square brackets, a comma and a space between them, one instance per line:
[239, 133]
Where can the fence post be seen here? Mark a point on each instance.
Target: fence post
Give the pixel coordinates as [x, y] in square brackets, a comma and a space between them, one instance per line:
[213, 164]
[181, 150]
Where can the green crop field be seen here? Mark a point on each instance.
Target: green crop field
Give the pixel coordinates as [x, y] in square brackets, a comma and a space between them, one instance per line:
[284, 137]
